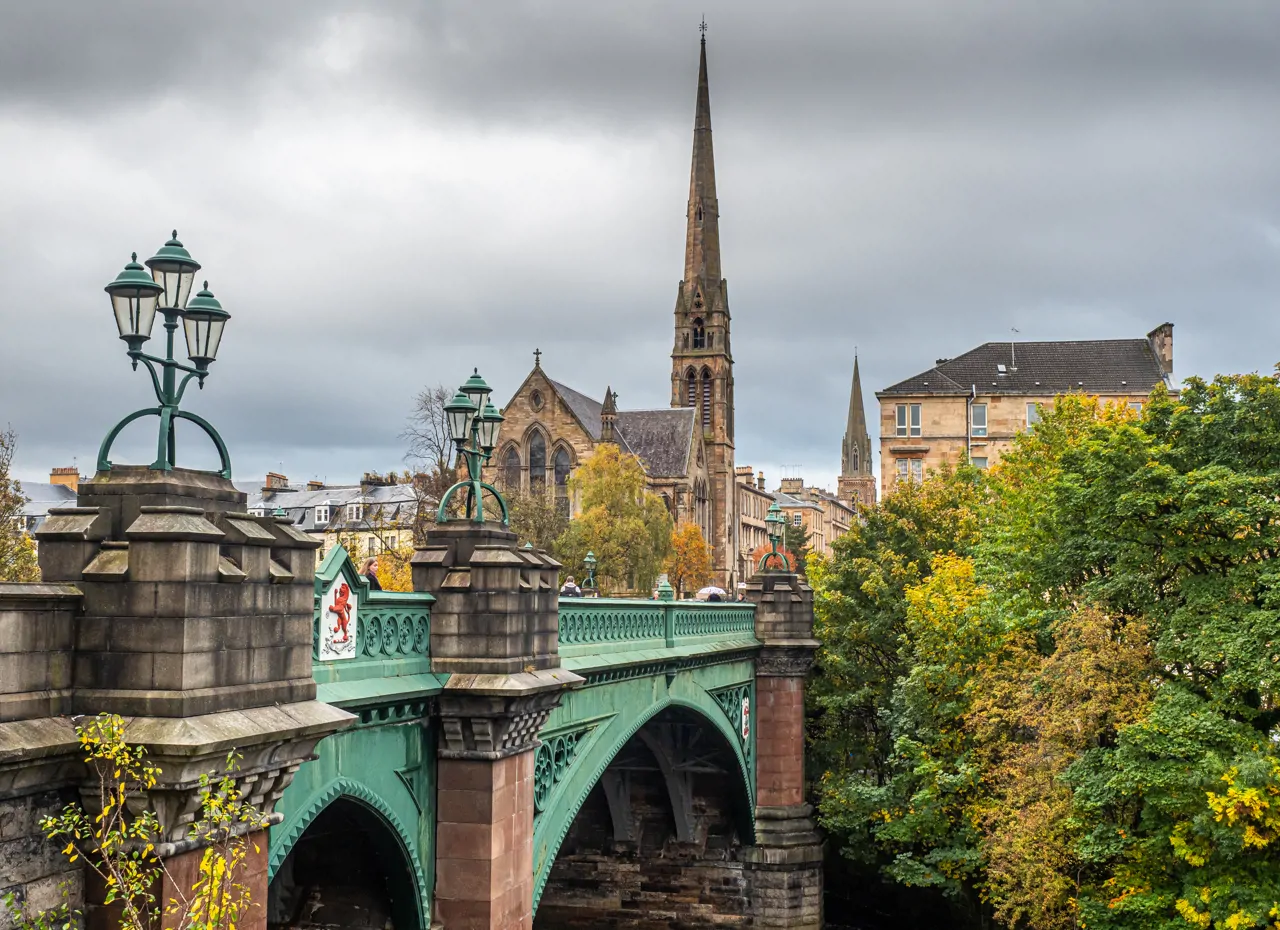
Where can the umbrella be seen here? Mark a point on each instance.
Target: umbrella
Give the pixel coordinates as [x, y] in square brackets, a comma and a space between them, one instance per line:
[704, 594]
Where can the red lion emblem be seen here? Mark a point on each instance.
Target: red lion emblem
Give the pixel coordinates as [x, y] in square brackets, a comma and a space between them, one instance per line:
[341, 607]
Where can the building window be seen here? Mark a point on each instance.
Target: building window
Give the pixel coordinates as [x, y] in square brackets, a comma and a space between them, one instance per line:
[691, 389]
[706, 398]
[257, 511]
[560, 467]
[910, 469]
[795, 519]
[372, 545]
[979, 461]
[322, 515]
[1135, 406]
[908, 419]
[537, 462]
[1033, 415]
[535, 400]
[509, 472]
[355, 512]
[699, 334]
[978, 419]
[391, 542]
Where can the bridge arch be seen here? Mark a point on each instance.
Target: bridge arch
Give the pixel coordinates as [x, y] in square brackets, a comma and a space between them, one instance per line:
[389, 836]
[605, 742]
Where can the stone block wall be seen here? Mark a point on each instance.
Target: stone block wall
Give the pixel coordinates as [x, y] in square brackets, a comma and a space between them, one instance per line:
[655, 880]
[36, 641]
[34, 869]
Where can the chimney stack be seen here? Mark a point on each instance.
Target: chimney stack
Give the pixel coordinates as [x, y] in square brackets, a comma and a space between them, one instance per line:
[314, 485]
[275, 482]
[760, 481]
[68, 476]
[1161, 339]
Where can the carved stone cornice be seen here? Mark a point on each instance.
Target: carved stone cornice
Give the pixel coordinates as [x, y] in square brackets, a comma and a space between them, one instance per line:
[788, 658]
[495, 716]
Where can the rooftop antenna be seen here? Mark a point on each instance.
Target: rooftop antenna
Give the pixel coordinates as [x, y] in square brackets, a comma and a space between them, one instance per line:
[1013, 352]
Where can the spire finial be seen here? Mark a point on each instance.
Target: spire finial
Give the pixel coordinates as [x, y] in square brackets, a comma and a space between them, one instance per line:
[702, 27]
[537, 358]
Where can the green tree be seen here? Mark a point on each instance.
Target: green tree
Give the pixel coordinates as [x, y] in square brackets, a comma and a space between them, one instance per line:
[17, 553]
[627, 527]
[536, 518]
[796, 540]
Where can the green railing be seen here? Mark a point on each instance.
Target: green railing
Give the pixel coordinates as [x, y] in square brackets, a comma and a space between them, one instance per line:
[609, 624]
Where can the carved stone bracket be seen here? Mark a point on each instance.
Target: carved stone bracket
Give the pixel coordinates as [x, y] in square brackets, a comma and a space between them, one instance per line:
[494, 716]
[786, 659]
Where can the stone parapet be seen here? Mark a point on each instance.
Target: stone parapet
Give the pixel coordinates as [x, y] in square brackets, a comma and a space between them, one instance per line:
[190, 606]
[36, 649]
[496, 609]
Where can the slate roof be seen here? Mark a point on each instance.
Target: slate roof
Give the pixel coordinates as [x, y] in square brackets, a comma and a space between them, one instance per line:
[791, 502]
[397, 502]
[41, 497]
[660, 438]
[583, 407]
[1098, 366]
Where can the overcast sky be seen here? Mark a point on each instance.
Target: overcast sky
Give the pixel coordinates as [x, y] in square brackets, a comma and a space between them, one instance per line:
[384, 195]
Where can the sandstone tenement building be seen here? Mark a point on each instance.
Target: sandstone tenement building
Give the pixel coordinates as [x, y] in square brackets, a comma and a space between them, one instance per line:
[976, 403]
[686, 450]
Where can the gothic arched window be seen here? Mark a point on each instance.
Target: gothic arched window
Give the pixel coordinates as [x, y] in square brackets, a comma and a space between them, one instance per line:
[691, 389]
[537, 462]
[560, 467]
[509, 469]
[706, 398]
[853, 460]
[699, 334]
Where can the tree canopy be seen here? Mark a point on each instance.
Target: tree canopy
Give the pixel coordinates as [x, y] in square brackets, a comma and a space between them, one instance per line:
[688, 565]
[625, 526]
[1050, 691]
[17, 552]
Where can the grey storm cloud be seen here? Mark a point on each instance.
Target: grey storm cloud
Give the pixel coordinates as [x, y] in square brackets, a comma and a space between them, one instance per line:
[387, 194]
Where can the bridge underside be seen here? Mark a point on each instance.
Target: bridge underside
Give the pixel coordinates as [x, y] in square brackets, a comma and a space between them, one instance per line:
[656, 842]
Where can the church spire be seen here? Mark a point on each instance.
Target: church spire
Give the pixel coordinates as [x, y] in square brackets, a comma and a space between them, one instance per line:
[855, 453]
[702, 241]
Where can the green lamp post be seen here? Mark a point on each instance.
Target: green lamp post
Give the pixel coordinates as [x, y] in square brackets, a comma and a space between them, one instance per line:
[135, 298]
[473, 425]
[775, 523]
[589, 560]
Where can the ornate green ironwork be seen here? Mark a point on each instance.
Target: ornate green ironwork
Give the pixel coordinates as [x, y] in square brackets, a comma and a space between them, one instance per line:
[626, 622]
[552, 762]
[736, 702]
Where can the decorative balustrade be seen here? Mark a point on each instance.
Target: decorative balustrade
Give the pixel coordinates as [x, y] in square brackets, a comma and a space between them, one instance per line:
[612, 624]
[354, 623]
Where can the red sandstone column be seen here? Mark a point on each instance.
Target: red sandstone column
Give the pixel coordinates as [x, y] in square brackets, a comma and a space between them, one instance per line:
[484, 837]
[784, 867]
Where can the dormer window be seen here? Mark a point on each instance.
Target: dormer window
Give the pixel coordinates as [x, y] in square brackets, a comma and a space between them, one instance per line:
[322, 514]
[355, 512]
[257, 511]
[699, 334]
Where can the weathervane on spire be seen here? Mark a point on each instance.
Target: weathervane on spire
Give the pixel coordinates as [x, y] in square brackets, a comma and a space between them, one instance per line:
[702, 27]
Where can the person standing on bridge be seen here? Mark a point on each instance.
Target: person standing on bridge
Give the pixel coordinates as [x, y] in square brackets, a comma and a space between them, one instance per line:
[370, 572]
[570, 588]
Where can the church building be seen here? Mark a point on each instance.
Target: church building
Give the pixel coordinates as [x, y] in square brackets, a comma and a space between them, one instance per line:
[687, 449]
[856, 484]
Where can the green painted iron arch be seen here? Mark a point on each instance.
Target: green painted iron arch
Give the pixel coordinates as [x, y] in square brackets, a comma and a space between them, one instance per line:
[286, 835]
[603, 743]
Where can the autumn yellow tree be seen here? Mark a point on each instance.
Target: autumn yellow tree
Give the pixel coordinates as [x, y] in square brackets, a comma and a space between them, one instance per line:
[625, 526]
[17, 553]
[688, 564]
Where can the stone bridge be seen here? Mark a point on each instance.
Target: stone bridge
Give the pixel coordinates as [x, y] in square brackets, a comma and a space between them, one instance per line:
[477, 753]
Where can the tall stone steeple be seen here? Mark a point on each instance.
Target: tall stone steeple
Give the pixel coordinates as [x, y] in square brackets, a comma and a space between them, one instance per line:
[856, 484]
[701, 360]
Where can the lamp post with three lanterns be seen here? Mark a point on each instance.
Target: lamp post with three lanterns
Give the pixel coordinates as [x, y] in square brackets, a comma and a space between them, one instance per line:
[473, 425]
[135, 298]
